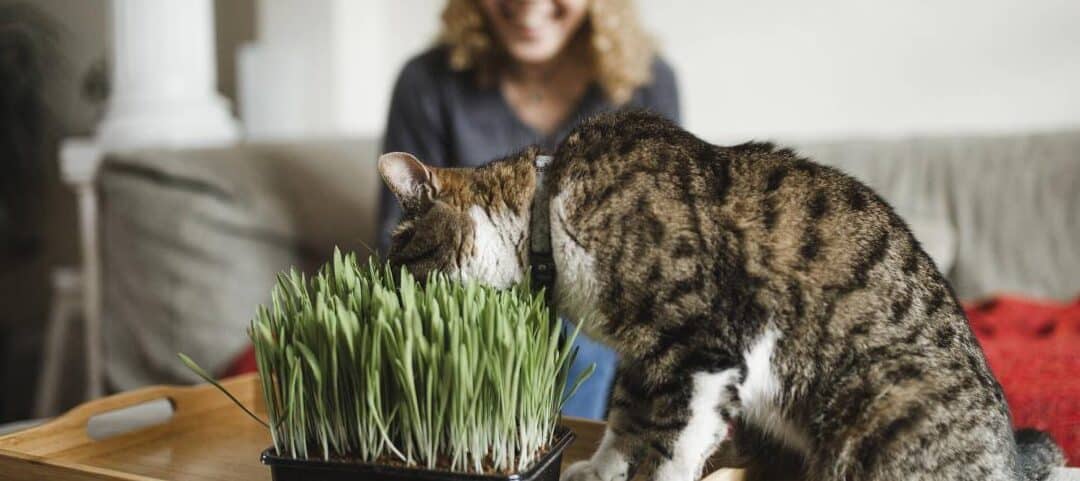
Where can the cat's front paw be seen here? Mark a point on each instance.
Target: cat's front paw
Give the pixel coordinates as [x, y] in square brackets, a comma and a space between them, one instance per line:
[590, 471]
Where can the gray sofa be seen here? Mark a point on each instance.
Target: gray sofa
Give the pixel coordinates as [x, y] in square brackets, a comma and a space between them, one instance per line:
[192, 239]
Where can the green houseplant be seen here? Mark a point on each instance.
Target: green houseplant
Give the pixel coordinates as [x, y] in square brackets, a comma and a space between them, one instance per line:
[362, 369]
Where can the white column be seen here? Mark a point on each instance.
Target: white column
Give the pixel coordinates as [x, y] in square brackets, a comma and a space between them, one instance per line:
[163, 89]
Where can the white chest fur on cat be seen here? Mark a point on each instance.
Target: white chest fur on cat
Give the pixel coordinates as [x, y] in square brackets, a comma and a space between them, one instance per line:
[760, 394]
[494, 257]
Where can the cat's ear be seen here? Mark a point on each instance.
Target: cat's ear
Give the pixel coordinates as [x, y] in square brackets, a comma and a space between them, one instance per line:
[410, 180]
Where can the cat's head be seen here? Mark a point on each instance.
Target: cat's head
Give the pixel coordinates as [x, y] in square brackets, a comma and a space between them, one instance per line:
[472, 224]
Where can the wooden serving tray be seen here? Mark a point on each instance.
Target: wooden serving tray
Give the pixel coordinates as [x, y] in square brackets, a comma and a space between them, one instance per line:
[207, 438]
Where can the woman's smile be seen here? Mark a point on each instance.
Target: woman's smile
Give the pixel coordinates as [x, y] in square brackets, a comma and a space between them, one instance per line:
[535, 31]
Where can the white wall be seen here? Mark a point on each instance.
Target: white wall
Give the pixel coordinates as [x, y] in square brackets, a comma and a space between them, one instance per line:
[323, 68]
[789, 68]
[792, 68]
[391, 32]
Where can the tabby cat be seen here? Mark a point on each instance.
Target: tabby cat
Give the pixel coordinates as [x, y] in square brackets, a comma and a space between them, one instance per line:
[742, 286]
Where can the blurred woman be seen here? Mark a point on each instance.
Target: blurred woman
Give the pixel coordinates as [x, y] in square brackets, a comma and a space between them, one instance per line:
[506, 74]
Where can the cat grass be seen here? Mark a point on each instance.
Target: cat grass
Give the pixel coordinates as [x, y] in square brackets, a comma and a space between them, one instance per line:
[359, 363]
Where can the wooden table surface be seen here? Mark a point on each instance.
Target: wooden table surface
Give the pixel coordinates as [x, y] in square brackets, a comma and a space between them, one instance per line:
[207, 438]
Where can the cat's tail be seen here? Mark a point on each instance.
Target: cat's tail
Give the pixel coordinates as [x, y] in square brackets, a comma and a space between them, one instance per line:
[1036, 454]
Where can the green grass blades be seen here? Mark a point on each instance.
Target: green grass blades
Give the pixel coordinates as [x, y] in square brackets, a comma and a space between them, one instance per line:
[361, 363]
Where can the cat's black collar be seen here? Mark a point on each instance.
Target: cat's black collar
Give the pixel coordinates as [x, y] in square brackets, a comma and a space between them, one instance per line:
[541, 263]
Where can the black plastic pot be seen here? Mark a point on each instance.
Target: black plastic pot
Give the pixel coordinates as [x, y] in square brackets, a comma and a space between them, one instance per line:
[290, 469]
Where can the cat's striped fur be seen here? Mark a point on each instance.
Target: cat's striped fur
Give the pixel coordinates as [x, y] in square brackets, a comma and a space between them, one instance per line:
[742, 286]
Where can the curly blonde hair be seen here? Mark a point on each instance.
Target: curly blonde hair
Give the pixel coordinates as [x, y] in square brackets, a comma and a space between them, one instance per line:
[621, 52]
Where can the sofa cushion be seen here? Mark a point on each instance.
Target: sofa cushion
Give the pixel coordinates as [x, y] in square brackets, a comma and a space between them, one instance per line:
[193, 239]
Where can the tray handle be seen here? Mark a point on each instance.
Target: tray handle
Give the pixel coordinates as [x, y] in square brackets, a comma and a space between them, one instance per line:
[186, 402]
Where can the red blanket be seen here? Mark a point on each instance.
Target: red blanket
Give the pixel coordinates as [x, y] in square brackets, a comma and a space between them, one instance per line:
[1033, 348]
